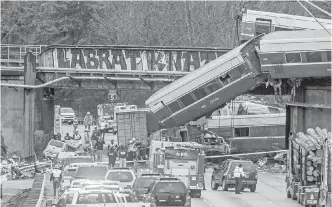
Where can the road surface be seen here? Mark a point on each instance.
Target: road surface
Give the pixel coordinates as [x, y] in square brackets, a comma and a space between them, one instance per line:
[270, 192]
[270, 188]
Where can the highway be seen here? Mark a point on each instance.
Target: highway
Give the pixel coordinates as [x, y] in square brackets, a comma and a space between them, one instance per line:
[271, 188]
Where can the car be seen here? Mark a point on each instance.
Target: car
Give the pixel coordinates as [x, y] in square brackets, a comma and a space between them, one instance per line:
[65, 198]
[68, 173]
[94, 197]
[168, 192]
[223, 175]
[142, 183]
[91, 172]
[53, 148]
[77, 159]
[125, 176]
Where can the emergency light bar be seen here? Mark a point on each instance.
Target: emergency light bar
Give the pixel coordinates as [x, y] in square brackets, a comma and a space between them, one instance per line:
[170, 178]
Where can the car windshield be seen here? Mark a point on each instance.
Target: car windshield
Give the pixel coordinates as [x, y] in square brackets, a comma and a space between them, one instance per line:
[91, 172]
[145, 182]
[247, 166]
[56, 143]
[94, 198]
[66, 110]
[122, 176]
[170, 187]
[70, 160]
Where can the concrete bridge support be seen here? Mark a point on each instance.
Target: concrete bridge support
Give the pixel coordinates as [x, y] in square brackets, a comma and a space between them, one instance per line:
[26, 114]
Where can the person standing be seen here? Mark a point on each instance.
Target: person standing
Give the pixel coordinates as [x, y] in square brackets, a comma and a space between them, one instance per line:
[99, 147]
[115, 146]
[123, 156]
[76, 135]
[56, 178]
[238, 174]
[88, 120]
[111, 157]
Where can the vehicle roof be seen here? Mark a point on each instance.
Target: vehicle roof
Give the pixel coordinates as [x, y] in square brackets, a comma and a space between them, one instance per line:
[294, 40]
[83, 191]
[195, 74]
[293, 17]
[101, 182]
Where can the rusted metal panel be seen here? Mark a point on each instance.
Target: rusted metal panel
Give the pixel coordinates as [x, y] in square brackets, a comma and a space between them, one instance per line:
[318, 95]
[302, 116]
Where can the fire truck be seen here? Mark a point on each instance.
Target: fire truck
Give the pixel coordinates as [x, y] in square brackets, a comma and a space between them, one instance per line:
[183, 160]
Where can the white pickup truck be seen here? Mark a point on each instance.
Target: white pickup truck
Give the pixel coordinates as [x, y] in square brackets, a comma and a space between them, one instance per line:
[93, 198]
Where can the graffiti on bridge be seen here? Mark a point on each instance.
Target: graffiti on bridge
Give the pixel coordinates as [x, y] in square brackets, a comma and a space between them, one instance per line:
[126, 59]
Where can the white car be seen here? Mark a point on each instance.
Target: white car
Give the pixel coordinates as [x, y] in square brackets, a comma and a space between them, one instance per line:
[68, 173]
[125, 176]
[53, 148]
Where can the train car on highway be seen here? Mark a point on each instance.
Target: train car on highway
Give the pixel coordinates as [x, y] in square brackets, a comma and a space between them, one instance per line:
[258, 22]
[296, 54]
[207, 88]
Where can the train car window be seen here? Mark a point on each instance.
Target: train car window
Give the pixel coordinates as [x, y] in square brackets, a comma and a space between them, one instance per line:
[282, 29]
[200, 93]
[237, 72]
[212, 87]
[162, 113]
[174, 106]
[293, 57]
[314, 57]
[187, 100]
[262, 26]
[328, 54]
[241, 132]
[225, 79]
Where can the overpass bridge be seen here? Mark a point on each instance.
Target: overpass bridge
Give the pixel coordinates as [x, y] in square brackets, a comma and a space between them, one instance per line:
[31, 73]
[28, 80]
[111, 67]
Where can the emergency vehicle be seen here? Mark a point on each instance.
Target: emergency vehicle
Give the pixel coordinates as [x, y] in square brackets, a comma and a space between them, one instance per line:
[183, 160]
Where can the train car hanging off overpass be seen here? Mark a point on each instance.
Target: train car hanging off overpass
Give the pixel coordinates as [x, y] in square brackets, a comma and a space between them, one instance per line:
[208, 88]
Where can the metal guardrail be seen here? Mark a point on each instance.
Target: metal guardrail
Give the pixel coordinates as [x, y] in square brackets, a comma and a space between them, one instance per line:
[13, 55]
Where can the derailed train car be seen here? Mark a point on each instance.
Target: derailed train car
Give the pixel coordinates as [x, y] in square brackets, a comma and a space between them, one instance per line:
[208, 88]
[296, 54]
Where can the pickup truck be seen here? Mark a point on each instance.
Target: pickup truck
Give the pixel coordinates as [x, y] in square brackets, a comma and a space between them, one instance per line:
[92, 198]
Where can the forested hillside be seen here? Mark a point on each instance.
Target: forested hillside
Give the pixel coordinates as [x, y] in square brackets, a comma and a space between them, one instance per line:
[146, 23]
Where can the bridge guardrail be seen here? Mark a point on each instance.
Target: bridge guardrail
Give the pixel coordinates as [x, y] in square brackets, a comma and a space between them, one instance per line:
[13, 55]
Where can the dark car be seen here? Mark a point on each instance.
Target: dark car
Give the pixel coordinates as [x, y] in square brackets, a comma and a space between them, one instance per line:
[224, 176]
[168, 192]
[142, 184]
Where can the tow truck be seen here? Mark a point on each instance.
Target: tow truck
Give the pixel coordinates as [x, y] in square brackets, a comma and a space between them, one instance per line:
[183, 160]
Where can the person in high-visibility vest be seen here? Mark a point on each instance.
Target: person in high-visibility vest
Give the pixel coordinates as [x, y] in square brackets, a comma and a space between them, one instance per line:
[238, 174]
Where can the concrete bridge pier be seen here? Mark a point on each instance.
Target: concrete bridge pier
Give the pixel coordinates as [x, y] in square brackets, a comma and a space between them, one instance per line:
[26, 113]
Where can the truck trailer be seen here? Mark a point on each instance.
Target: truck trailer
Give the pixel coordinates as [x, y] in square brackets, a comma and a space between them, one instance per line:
[308, 137]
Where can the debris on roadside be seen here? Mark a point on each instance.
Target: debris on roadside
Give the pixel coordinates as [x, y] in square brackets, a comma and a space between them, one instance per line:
[13, 168]
[16, 200]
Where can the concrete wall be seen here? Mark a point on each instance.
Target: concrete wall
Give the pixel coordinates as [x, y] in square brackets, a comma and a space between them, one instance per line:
[12, 119]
